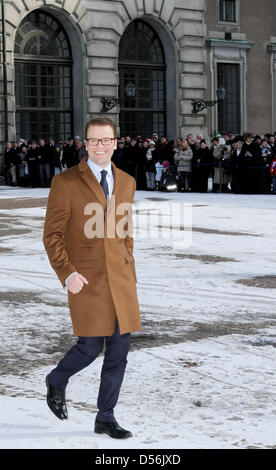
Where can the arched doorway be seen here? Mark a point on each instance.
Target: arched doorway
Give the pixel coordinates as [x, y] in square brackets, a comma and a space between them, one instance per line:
[142, 88]
[43, 78]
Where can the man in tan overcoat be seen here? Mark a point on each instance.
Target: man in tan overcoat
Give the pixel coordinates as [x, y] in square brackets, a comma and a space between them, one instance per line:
[88, 239]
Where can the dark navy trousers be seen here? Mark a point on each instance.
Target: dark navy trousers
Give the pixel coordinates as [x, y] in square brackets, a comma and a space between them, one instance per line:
[83, 353]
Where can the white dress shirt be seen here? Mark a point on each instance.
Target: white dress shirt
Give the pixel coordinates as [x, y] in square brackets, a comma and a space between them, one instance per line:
[110, 181]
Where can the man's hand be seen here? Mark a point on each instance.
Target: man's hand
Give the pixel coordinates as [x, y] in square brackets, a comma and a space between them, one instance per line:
[76, 283]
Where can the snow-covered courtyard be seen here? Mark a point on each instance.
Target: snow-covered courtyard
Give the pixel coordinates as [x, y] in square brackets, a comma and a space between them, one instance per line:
[200, 374]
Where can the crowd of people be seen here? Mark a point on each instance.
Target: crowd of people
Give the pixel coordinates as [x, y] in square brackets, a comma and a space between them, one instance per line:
[226, 163]
[34, 164]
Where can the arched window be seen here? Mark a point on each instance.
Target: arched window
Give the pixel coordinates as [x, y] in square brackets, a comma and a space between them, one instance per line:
[142, 81]
[43, 78]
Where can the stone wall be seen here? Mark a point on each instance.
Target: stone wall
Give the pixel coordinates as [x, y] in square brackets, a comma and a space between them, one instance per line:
[95, 28]
[252, 45]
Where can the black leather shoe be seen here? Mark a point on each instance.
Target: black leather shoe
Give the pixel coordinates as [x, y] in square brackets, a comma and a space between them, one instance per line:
[56, 401]
[112, 429]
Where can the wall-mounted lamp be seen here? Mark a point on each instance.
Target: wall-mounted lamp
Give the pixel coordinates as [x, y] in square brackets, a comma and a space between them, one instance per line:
[130, 90]
[199, 105]
[109, 102]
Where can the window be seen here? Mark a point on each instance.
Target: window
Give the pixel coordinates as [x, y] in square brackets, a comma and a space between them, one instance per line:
[229, 111]
[43, 78]
[142, 81]
[227, 11]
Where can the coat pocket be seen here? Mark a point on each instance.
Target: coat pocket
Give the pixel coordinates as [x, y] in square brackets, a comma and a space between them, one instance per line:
[83, 263]
[82, 257]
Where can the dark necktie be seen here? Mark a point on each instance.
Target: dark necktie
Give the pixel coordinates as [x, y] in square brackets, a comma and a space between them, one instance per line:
[104, 183]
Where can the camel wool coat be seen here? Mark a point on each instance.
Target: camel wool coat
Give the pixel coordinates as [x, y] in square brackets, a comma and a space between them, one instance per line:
[106, 262]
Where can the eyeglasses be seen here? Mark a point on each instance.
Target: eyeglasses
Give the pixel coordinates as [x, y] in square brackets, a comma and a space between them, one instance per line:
[105, 141]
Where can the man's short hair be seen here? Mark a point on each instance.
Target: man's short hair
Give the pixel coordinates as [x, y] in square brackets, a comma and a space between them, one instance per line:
[101, 122]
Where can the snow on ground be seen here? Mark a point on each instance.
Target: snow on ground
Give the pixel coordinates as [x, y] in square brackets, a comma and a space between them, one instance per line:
[201, 373]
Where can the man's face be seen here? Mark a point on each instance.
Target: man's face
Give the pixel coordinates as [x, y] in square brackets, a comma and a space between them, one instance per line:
[42, 142]
[101, 154]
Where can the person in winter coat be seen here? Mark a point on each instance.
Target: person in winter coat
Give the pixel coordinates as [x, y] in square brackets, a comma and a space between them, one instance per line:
[118, 156]
[69, 157]
[83, 152]
[78, 150]
[94, 260]
[11, 164]
[141, 180]
[222, 170]
[23, 170]
[236, 167]
[131, 158]
[44, 160]
[57, 159]
[202, 165]
[164, 150]
[273, 174]
[150, 165]
[183, 159]
[32, 161]
[251, 161]
[265, 175]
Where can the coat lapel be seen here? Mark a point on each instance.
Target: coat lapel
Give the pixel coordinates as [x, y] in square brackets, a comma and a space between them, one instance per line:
[117, 179]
